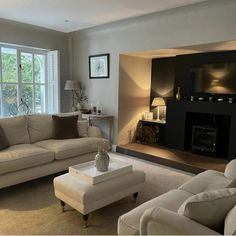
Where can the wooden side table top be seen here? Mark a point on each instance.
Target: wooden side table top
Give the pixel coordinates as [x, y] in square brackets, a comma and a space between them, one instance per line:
[158, 122]
[94, 116]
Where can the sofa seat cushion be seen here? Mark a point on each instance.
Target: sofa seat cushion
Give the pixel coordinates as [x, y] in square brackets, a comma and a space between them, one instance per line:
[67, 148]
[129, 223]
[23, 156]
[206, 181]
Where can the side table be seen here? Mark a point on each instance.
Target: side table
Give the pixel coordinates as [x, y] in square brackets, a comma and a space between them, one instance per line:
[153, 131]
[108, 118]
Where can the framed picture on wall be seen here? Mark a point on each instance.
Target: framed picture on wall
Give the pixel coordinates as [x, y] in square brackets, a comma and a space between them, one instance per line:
[99, 66]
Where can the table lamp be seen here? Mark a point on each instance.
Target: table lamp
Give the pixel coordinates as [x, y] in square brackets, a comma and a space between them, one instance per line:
[73, 86]
[158, 102]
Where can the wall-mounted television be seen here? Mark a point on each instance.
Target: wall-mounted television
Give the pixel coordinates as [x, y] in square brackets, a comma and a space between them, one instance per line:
[217, 78]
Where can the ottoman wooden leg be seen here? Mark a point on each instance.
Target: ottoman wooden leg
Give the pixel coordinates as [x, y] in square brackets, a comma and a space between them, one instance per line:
[63, 206]
[135, 195]
[85, 218]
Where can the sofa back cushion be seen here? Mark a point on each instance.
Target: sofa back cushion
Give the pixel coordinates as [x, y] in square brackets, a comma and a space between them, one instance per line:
[40, 127]
[15, 130]
[83, 128]
[230, 222]
[209, 208]
[3, 140]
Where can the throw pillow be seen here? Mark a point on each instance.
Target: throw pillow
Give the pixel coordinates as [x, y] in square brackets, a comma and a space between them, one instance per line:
[209, 208]
[230, 222]
[83, 128]
[3, 140]
[65, 127]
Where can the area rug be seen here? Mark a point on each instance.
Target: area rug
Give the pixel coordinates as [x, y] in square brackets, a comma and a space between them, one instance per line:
[31, 208]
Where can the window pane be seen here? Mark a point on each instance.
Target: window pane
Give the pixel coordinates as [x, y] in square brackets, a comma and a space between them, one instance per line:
[27, 96]
[9, 71]
[9, 97]
[26, 67]
[39, 68]
[40, 99]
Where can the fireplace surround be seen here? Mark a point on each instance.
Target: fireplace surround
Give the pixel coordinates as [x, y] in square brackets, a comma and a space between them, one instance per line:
[183, 115]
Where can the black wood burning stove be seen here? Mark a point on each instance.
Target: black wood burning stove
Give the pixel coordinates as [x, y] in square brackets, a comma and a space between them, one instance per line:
[205, 139]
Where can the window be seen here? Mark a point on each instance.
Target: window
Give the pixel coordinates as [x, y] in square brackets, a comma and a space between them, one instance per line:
[29, 81]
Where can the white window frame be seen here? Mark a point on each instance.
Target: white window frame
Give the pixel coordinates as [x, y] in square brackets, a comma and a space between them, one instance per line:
[48, 78]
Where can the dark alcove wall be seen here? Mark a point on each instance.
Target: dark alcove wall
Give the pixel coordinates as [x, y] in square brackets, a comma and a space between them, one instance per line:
[163, 77]
[172, 72]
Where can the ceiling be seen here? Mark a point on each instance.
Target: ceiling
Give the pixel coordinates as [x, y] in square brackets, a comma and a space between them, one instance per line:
[171, 52]
[70, 15]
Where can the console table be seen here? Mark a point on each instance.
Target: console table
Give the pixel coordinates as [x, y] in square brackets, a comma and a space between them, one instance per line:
[108, 118]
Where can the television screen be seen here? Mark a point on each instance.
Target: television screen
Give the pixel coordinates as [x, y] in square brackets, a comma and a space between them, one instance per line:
[218, 78]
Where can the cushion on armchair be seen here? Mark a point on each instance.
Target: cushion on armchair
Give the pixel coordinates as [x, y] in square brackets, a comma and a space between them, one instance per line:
[209, 208]
[230, 170]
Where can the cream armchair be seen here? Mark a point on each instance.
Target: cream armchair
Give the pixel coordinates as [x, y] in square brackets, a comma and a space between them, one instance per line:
[161, 215]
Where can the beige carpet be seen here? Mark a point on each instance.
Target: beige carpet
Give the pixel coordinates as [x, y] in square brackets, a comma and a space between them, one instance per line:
[31, 208]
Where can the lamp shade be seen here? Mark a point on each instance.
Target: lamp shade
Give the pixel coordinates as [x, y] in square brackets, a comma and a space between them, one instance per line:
[158, 101]
[72, 85]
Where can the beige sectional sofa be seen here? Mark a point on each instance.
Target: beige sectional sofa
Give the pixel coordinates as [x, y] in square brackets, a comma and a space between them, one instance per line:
[162, 215]
[34, 153]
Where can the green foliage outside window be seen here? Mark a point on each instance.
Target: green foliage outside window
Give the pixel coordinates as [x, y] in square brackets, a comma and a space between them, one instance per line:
[9, 75]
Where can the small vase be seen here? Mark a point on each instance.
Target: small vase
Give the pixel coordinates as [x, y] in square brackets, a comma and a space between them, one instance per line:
[102, 161]
[178, 96]
[78, 106]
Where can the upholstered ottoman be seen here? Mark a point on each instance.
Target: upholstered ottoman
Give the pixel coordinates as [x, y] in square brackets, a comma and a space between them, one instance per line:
[87, 198]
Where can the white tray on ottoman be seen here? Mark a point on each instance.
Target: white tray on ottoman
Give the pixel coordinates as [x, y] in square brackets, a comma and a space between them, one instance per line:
[88, 172]
[86, 197]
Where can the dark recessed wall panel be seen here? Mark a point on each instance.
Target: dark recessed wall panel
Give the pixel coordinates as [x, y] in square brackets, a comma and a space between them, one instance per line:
[172, 72]
[184, 62]
[163, 77]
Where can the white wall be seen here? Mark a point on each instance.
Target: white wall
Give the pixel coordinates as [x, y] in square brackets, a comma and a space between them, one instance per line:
[28, 35]
[134, 95]
[207, 22]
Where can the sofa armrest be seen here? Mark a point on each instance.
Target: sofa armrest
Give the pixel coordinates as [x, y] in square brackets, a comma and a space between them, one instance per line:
[161, 221]
[94, 131]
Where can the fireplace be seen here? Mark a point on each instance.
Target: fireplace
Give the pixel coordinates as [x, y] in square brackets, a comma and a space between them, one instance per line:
[205, 139]
[207, 134]
[183, 115]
